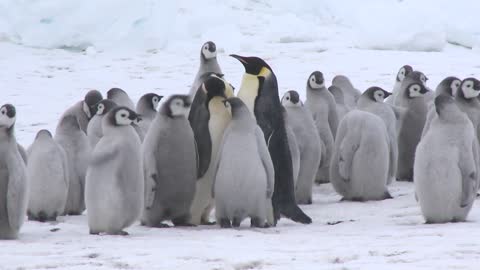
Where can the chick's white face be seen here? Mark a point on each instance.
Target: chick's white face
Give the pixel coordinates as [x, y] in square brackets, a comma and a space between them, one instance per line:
[122, 118]
[401, 74]
[379, 96]
[468, 89]
[155, 101]
[100, 109]
[414, 90]
[86, 110]
[454, 86]
[312, 81]
[287, 101]
[207, 53]
[177, 106]
[5, 120]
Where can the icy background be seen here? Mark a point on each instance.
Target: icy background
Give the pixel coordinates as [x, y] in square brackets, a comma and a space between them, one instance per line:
[53, 51]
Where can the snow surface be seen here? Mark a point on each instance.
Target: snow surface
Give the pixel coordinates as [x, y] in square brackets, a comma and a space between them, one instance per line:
[412, 25]
[390, 234]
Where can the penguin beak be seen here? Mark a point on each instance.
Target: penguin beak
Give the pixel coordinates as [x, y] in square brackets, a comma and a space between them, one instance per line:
[423, 90]
[133, 115]
[387, 94]
[212, 47]
[241, 59]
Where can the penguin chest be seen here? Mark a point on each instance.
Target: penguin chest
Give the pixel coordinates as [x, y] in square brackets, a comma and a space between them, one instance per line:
[249, 91]
[216, 127]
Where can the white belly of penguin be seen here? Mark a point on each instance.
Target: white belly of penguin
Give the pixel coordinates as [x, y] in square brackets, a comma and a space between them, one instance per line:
[249, 91]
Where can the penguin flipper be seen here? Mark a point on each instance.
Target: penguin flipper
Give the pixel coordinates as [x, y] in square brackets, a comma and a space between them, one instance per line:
[347, 152]
[469, 170]
[266, 161]
[16, 194]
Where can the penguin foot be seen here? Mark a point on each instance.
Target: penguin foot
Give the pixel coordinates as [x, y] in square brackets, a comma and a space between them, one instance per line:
[387, 196]
[225, 223]
[94, 232]
[293, 212]
[206, 222]
[256, 222]
[161, 225]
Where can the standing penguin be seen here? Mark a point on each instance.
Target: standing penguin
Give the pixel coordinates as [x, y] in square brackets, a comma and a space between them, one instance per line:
[170, 165]
[410, 130]
[115, 184]
[446, 165]
[448, 86]
[301, 122]
[13, 177]
[82, 109]
[147, 109]
[342, 108]
[360, 164]
[208, 64]
[351, 94]
[321, 104]
[244, 177]
[259, 92]
[401, 99]
[372, 101]
[75, 143]
[466, 99]
[94, 128]
[401, 74]
[208, 118]
[48, 178]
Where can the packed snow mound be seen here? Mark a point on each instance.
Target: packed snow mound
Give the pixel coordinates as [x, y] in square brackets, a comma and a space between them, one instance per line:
[413, 25]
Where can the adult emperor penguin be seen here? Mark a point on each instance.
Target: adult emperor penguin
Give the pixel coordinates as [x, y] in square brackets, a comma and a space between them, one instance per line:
[13, 177]
[244, 178]
[467, 100]
[48, 178]
[350, 93]
[372, 101]
[208, 118]
[446, 165]
[259, 92]
[342, 108]
[360, 163]
[448, 86]
[170, 165]
[301, 122]
[321, 104]
[208, 64]
[147, 109]
[94, 128]
[120, 97]
[82, 109]
[410, 130]
[115, 182]
[401, 74]
[77, 148]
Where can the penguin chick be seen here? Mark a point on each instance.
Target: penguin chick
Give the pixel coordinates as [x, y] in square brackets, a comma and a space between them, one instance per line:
[77, 148]
[208, 64]
[446, 165]
[114, 190]
[48, 178]
[448, 86]
[244, 177]
[338, 95]
[351, 94]
[467, 100]
[120, 97]
[372, 101]
[321, 104]
[301, 122]
[401, 74]
[360, 164]
[94, 128]
[13, 177]
[82, 109]
[147, 108]
[170, 165]
[410, 130]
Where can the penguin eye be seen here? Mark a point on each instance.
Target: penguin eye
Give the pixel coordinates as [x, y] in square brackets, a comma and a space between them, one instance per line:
[287, 98]
[3, 112]
[469, 84]
[312, 79]
[206, 47]
[155, 99]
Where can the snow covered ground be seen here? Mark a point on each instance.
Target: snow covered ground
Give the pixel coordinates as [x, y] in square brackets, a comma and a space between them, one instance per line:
[375, 235]
[156, 49]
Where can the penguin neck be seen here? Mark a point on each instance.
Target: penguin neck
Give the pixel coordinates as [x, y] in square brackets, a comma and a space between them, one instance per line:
[249, 90]
[146, 111]
[209, 65]
[315, 93]
[364, 101]
[6, 134]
